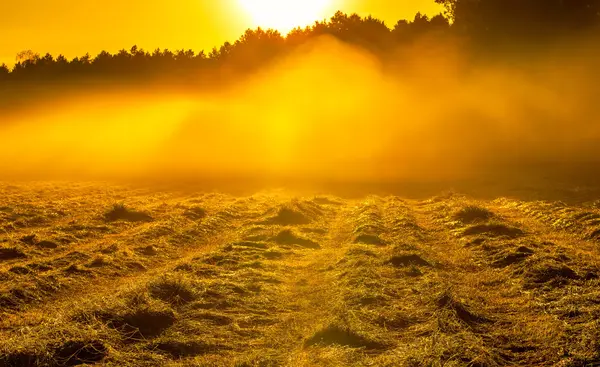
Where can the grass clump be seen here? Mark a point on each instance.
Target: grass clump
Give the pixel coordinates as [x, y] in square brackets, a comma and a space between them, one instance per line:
[360, 251]
[408, 260]
[288, 216]
[297, 212]
[289, 237]
[21, 270]
[493, 230]
[369, 239]
[595, 235]
[325, 200]
[121, 212]
[22, 294]
[472, 214]
[11, 253]
[342, 336]
[514, 257]
[19, 358]
[195, 213]
[147, 250]
[173, 289]
[182, 348]
[99, 261]
[77, 352]
[145, 322]
[137, 317]
[75, 269]
[550, 273]
[29, 239]
[447, 301]
[47, 244]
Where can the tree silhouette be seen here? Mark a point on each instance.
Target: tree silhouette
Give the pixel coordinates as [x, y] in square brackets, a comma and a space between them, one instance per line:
[522, 21]
[4, 72]
[27, 56]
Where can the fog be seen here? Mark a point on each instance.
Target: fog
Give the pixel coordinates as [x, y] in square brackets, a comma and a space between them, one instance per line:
[327, 112]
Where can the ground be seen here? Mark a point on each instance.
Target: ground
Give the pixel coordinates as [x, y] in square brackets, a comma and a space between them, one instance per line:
[111, 275]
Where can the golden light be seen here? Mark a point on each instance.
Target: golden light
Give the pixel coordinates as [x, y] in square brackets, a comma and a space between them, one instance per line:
[285, 15]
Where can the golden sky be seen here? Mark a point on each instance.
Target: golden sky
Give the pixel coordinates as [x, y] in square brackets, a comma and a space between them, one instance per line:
[74, 27]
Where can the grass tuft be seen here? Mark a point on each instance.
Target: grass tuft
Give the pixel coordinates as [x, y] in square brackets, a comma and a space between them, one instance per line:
[75, 352]
[289, 237]
[11, 253]
[121, 212]
[408, 260]
[493, 230]
[195, 213]
[47, 244]
[288, 217]
[176, 348]
[174, 289]
[517, 256]
[472, 214]
[18, 358]
[447, 301]
[549, 273]
[342, 336]
[369, 239]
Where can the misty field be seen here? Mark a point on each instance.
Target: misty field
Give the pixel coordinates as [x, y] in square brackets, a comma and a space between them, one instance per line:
[117, 276]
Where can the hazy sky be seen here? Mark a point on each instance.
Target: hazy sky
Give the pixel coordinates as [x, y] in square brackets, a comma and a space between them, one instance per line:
[74, 27]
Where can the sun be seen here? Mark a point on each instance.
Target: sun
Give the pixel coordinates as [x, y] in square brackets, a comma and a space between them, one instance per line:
[285, 15]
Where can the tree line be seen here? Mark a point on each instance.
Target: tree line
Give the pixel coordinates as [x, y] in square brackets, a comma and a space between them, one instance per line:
[486, 25]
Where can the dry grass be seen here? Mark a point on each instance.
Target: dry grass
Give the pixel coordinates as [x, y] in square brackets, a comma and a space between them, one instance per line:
[268, 280]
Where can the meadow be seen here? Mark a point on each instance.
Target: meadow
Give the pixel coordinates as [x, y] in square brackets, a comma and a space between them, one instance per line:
[108, 275]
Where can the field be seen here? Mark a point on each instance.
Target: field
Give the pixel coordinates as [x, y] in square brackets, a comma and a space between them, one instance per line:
[111, 275]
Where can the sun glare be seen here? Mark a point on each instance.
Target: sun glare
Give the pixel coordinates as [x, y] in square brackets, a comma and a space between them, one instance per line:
[285, 15]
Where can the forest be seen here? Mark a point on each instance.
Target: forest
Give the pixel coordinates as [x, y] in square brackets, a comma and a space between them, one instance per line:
[493, 29]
